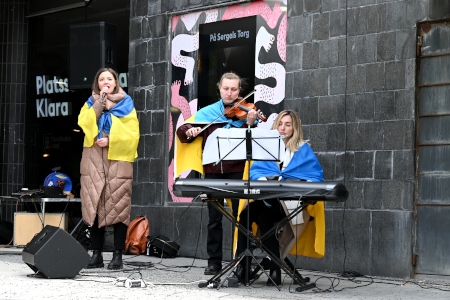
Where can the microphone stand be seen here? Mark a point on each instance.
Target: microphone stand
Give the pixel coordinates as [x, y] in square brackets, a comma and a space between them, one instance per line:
[248, 141]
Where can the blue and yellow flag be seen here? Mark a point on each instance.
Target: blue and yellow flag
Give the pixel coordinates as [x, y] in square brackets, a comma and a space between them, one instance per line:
[303, 165]
[188, 156]
[120, 123]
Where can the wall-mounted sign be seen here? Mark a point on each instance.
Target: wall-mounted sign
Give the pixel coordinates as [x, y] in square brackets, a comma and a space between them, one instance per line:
[230, 33]
[46, 108]
[219, 36]
[47, 85]
[51, 142]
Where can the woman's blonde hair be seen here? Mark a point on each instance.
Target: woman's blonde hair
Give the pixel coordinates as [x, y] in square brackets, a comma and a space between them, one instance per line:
[297, 135]
[96, 87]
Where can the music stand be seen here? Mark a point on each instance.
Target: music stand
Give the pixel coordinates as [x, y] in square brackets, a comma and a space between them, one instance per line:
[230, 146]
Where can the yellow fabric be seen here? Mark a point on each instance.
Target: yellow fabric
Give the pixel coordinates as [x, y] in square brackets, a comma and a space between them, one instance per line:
[242, 204]
[188, 156]
[88, 122]
[311, 242]
[123, 138]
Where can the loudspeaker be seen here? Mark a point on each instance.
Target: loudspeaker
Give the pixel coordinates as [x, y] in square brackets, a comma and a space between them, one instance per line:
[53, 253]
[91, 46]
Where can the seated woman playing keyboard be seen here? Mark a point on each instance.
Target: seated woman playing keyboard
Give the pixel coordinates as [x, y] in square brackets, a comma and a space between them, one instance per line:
[298, 163]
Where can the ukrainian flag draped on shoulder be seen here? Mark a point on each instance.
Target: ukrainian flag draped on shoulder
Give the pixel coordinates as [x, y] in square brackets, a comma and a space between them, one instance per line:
[303, 165]
[188, 156]
[120, 123]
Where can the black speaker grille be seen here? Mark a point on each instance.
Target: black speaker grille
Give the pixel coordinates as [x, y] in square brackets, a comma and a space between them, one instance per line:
[53, 253]
[91, 46]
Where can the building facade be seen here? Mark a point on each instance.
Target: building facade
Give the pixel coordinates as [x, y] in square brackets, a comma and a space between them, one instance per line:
[366, 77]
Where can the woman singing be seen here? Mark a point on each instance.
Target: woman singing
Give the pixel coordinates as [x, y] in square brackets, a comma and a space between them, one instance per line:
[111, 128]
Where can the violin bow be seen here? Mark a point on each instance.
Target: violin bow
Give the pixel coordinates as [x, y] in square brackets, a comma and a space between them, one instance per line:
[249, 94]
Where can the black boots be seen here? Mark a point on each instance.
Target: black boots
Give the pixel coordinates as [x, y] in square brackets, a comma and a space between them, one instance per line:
[276, 277]
[116, 261]
[96, 260]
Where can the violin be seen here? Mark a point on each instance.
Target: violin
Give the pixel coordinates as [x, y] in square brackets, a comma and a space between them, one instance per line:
[240, 109]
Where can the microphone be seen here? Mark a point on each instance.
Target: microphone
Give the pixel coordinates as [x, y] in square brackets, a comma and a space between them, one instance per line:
[104, 90]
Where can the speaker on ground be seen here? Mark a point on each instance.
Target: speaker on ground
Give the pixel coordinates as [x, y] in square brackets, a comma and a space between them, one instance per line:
[91, 46]
[54, 253]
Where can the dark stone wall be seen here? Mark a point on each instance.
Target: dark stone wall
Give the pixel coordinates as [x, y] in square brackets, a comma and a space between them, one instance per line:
[149, 56]
[13, 75]
[147, 70]
[351, 76]
[353, 86]
[351, 69]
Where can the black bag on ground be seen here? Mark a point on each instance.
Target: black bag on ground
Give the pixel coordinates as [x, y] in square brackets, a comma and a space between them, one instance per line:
[162, 246]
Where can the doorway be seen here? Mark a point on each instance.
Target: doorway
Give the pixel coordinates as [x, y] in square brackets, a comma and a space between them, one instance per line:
[226, 46]
[433, 150]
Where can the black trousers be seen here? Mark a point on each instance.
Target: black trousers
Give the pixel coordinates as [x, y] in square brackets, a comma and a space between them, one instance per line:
[98, 236]
[215, 230]
[265, 217]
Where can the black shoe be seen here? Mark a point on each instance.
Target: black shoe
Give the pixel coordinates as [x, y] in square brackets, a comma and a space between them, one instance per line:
[212, 270]
[96, 260]
[116, 261]
[276, 277]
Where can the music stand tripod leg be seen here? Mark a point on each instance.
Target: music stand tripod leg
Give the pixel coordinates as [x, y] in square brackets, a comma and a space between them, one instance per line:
[288, 270]
[215, 280]
[286, 264]
[227, 271]
[230, 267]
[249, 278]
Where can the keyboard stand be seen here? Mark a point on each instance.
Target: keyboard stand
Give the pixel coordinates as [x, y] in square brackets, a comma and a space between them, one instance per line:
[256, 243]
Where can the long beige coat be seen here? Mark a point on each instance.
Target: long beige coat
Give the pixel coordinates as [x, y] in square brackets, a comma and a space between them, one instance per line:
[105, 187]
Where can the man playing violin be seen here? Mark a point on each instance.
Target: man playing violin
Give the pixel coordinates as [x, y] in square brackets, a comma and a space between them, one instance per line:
[229, 87]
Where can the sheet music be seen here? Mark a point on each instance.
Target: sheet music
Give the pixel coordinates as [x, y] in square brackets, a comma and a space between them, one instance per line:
[230, 144]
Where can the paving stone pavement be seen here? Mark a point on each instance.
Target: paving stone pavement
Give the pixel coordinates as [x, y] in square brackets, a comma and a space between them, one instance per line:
[179, 278]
